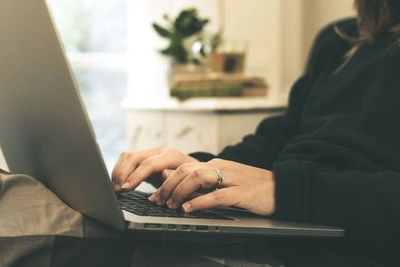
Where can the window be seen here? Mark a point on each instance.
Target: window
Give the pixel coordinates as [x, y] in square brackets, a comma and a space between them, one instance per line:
[94, 35]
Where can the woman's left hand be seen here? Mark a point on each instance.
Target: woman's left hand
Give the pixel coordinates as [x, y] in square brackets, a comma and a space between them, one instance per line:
[242, 186]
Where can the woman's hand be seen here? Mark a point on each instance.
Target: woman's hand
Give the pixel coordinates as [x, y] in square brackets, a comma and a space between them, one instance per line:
[134, 167]
[242, 186]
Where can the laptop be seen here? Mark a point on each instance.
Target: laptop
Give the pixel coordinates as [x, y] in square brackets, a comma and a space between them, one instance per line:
[46, 134]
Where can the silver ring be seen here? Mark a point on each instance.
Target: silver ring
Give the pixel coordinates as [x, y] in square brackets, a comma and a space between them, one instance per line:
[219, 179]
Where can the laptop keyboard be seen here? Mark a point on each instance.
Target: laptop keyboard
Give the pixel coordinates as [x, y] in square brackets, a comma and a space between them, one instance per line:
[137, 203]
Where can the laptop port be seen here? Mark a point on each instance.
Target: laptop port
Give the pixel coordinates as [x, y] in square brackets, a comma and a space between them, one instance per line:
[201, 228]
[152, 226]
[185, 227]
[171, 226]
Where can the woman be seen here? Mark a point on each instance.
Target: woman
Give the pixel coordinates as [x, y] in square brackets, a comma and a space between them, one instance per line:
[332, 158]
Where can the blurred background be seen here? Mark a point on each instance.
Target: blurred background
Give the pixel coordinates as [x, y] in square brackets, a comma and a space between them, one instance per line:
[114, 51]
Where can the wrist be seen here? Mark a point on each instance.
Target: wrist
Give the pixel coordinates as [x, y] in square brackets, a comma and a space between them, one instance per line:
[202, 156]
[272, 190]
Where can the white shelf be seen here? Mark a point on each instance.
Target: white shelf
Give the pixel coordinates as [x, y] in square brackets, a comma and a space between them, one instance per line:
[209, 104]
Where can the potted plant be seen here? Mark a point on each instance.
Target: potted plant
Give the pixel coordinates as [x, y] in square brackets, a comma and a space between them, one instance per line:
[187, 24]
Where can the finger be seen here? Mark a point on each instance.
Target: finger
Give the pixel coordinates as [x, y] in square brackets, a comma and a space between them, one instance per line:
[118, 165]
[127, 166]
[152, 198]
[152, 165]
[155, 180]
[115, 174]
[121, 165]
[172, 182]
[166, 173]
[198, 179]
[221, 197]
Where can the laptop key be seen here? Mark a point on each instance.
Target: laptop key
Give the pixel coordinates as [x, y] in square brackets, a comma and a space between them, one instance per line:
[137, 203]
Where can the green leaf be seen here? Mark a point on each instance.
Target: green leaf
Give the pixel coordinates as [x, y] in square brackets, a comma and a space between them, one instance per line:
[196, 61]
[216, 41]
[187, 23]
[166, 51]
[177, 51]
[161, 31]
[180, 54]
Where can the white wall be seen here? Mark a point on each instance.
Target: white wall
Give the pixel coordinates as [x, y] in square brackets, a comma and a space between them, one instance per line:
[292, 35]
[259, 23]
[318, 13]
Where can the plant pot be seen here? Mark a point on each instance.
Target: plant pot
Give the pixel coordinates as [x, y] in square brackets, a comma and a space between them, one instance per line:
[227, 62]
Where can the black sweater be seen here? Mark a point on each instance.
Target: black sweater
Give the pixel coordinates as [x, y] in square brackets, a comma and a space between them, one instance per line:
[335, 153]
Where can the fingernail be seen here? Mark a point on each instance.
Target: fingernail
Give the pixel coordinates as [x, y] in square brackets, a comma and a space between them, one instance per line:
[165, 174]
[186, 207]
[152, 197]
[117, 187]
[125, 185]
[170, 204]
[158, 200]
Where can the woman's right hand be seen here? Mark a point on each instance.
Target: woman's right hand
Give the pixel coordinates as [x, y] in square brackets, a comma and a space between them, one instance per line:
[134, 167]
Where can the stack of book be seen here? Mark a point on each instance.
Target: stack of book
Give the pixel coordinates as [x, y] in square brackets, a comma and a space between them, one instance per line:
[217, 85]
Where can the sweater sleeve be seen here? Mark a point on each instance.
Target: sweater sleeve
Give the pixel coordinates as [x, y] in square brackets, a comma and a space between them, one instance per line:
[262, 148]
[365, 204]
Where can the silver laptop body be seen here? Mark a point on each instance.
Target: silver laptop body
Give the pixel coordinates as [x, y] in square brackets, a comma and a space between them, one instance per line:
[45, 132]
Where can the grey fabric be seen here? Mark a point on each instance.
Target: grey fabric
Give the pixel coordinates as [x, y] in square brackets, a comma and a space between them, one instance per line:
[29, 208]
[38, 229]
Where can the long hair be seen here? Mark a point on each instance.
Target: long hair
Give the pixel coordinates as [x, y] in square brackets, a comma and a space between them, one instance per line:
[375, 17]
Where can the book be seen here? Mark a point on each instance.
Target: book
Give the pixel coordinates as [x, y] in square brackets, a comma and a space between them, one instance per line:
[186, 86]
